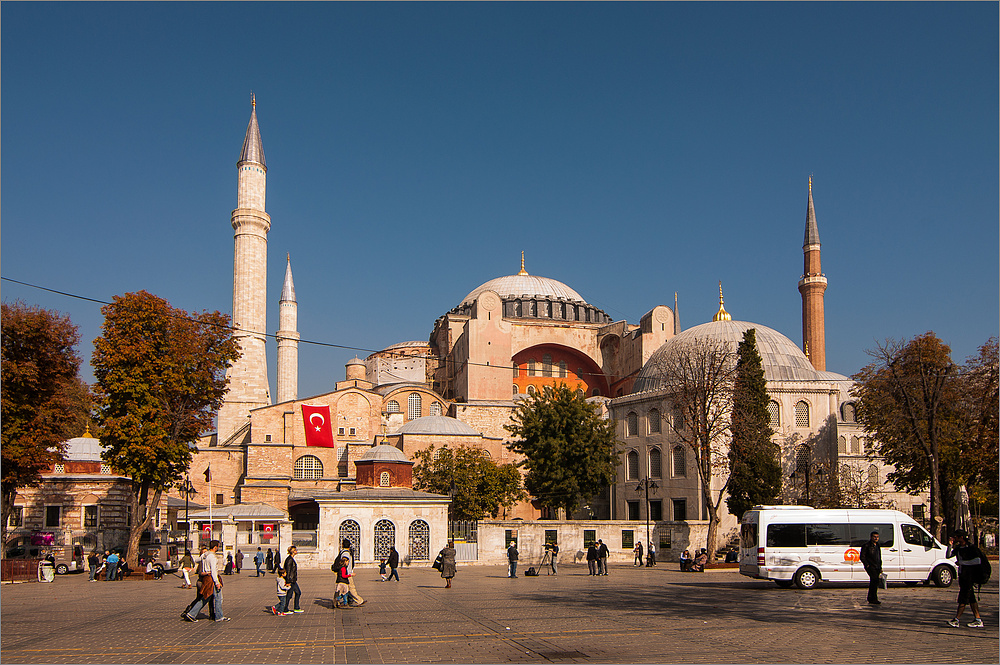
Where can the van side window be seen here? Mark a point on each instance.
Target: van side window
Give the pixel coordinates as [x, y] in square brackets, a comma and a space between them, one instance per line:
[786, 535]
[827, 534]
[914, 535]
[860, 534]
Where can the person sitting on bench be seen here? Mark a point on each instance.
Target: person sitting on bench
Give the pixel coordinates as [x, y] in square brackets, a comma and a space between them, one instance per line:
[700, 561]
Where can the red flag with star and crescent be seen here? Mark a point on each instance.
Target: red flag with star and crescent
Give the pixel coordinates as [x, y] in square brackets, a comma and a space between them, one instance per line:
[319, 431]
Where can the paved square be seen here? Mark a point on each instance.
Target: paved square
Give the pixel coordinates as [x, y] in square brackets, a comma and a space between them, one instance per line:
[633, 615]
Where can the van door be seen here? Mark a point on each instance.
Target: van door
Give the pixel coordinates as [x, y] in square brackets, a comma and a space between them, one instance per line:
[826, 544]
[888, 543]
[919, 552]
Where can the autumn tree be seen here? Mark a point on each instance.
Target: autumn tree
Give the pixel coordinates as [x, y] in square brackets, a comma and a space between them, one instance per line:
[755, 472]
[975, 460]
[44, 402]
[698, 380]
[479, 487]
[569, 448]
[160, 379]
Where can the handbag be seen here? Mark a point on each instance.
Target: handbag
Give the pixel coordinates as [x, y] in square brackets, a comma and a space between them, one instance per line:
[437, 563]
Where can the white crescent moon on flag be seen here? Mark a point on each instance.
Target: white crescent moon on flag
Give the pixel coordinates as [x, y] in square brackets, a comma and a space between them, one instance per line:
[317, 415]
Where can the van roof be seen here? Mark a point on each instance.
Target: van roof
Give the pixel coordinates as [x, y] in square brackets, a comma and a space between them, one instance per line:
[783, 508]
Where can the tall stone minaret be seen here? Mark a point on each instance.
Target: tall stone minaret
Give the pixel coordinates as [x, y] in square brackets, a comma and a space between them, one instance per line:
[812, 285]
[248, 385]
[288, 339]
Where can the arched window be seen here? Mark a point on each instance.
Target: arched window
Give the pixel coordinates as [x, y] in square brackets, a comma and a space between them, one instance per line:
[680, 462]
[562, 369]
[596, 392]
[385, 538]
[802, 414]
[849, 412]
[414, 406]
[531, 390]
[842, 445]
[439, 452]
[384, 479]
[420, 537]
[547, 390]
[632, 465]
[308, 467]
[579, 373]
[532, 370]
[855, 445]
[774, 411]
[517, 370]
[655, 469]
[678, 420]
[631, 424]
[514, 389]
[350, 530]
[392, 406]
[872, 478]
[802, 458]
[580, 393]
[653, 417]
[435, 408]
[547, 364]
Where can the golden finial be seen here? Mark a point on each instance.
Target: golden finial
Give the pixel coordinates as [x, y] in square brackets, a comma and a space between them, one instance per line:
[87, 434]
[722, 314]
[806, 345]
[523, 271]
[810, 183]
[253, 100]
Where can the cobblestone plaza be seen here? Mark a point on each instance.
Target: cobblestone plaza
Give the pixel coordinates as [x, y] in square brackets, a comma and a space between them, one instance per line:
[632, 615]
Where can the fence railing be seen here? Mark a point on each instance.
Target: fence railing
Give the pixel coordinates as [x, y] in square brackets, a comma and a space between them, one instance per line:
[19, 570]
[464, 530]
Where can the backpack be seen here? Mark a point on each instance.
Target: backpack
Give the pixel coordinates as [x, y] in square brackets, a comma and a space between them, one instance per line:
[985, 570]
[531, 572]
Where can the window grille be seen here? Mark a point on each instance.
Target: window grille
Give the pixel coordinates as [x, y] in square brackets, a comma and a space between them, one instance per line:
[384, 479]
[514, 389]
[531, 390]
[547, 364]
[59, 468]
[842, 445]
[631, 424]
[414, 406]
[802, 414]
[653, 417]
[802, 456]
[562, 368]
[350, 530]
[856, 445]
[680, 462]
[849, 412]
[420, 536]
[655, 463]
[678, 420]
[632, 468]
[106, 469]
[392, 406]
[517, 370]
[532, 371]
[385, 538]
[353, 431]
[435, 408]
[308, 467]
[774, 411]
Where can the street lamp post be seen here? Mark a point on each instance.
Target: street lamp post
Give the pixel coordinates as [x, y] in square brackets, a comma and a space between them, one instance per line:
[644, 486]
[187, 489]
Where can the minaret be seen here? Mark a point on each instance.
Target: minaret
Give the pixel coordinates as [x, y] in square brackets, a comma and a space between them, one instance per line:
[812, 285]
[288, 339]
[248, 385]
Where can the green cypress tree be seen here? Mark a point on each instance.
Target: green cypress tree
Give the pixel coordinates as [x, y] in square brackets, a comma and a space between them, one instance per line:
[755, 472]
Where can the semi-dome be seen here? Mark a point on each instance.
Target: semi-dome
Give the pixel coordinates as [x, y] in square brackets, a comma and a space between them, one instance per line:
[441, 425]
[383, 452]
[783, 360]
[514, 286]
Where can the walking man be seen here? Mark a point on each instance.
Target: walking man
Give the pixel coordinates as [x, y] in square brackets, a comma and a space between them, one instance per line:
[292, 580]
[970, 561]
[602, 558]
[209, 586]
[94, 562]
[638, 554]
[258, 561]
[352, 590]
[871, 559]
[512, 559]
[592, 558]
[239, 561]
[393, 564]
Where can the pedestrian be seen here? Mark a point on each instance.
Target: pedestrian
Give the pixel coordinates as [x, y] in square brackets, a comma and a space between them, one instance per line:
[602, 558]
[970, 563]
[258, 561]
[871, 559]
[187, 566]
[209, 586]
[202, 550]
[292, 577]
[342, 599]
[239, 561]
[512, 555]
[554, 561]
[281, 609]
[347, 552]
[638, 554]
[393, 563]
[111, 561]
[93, 562]
[229, 565]
[269, 560]
[448, 567]
[592, 558]
[650, 556]
[381, 569]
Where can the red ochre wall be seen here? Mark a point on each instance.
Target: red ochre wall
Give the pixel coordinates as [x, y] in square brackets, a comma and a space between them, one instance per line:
[592, 376]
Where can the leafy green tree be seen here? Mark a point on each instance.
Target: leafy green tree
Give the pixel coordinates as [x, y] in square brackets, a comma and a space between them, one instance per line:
[44, 402]
[479, 486]
[569, 450]
[160, 379]
[755, 472]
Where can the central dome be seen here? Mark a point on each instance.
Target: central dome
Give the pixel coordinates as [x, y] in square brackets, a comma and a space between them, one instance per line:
[782, 358]
[514, 286]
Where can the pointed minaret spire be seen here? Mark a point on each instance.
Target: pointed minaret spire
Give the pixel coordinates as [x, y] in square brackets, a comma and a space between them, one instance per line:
[288, 339]
[253, 149]
[677, 316]
[523, 271]
[812, 286]
[722, 314]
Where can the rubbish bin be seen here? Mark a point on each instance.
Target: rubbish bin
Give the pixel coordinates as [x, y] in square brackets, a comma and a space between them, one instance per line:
[46, 572]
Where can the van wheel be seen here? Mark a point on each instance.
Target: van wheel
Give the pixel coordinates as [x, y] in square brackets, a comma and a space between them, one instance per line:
[62, 569]
[806, 578]
[943, 576]
[784, 584]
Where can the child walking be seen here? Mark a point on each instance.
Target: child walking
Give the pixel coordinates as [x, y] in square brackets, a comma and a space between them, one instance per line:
[342, 586]
[281, 608]
[382, 570]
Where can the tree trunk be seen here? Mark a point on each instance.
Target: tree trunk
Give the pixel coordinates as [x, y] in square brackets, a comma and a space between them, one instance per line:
[135, 535]
[6, 508]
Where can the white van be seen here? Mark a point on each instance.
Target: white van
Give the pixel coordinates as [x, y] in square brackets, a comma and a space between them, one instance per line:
[804, 545]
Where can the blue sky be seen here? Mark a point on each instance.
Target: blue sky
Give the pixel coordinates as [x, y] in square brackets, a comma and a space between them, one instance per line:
[414, 150]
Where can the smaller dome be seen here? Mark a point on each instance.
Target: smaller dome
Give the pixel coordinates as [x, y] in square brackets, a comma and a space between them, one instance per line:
[383, 452]
[83, 449]
[442, 425]
[355, 361]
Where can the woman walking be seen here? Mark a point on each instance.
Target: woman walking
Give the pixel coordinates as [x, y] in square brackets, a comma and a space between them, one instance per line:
[448, 562]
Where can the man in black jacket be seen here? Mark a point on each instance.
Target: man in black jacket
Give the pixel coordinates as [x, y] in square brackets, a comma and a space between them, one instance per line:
[393, 564]
[292, 580]
[871, 559]
[602, 558]
[970, 561]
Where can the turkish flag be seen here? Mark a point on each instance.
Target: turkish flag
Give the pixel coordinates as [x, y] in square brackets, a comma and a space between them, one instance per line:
[207, 530]
[316, 420]
[268, 530]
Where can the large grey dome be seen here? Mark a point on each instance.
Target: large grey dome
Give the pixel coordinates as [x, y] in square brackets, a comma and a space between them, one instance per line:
[437, 425]
[514, 286]
[783, 360]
